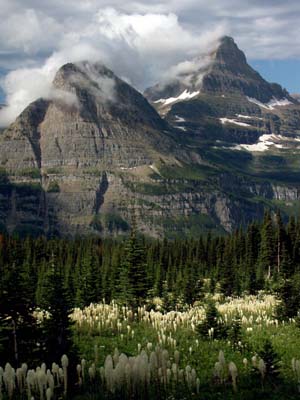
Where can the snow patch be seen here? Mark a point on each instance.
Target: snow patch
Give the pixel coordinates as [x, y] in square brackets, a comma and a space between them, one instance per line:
[154, 168]
[179, 119]
[248, 116]
[264, 142]
[272, 103]
[233, 121]
[185, 95]
[279, 103]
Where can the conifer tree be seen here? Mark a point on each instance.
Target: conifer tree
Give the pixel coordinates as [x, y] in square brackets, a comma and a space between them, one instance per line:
[280, 241]
[251, 254]
[266, 252]
[19, 333]
[57, 327]
[132, 281]
[289, 296]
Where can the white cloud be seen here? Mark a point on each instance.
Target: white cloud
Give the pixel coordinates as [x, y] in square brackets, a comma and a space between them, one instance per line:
[25, 85]
[29, 32]
[138, 47]
[138, 39]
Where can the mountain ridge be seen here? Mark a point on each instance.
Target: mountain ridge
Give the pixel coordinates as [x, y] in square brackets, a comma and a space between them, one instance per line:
[97, 151]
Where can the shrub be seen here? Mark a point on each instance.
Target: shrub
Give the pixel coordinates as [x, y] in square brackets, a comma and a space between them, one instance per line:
[53, 187]
[212, 326]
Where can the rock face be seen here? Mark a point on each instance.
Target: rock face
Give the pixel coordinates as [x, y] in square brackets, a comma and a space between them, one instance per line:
[95, 120]
[83, 161]
[73, 146]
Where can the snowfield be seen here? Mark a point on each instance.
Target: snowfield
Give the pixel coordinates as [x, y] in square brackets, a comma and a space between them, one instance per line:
[273, 103]
[179, 119]
[233, 121]
[248, 117]
[185, 95]
[263, 144]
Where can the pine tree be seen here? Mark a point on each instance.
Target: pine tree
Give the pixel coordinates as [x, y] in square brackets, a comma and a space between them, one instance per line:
[57, 328]
[212, 326]
[289, 296]
[19, 333]
[266, 253]
[271, 361]
[227, 275]
[280, 241]
[251, 254]
[132, 280]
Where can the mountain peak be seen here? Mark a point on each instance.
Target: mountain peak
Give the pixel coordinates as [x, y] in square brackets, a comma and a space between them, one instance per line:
[231, 73]
[228, 54]
[227, 42]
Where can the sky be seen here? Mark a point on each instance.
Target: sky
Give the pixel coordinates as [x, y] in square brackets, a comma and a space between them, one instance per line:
[140, 40]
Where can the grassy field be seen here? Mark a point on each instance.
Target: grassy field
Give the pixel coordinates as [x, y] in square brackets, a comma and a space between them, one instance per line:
[108, 330]
[153, 354]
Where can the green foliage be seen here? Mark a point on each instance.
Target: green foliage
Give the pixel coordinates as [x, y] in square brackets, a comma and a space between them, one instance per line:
[212, 327]
[110, 223]
[271, 360]
[59, 274]
[237, 262]
[132, 280]
[234, 330]
[57, 332]
[289, 296]
[19, 333]
[33, 173]
[3, 177]
[53, 187]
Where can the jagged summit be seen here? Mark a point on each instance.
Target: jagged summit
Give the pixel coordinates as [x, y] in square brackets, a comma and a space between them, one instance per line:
[229, 55]
[231, 73]
[228, 72]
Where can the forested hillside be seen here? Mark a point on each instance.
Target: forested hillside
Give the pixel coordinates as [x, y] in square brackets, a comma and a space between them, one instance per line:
[252, 259]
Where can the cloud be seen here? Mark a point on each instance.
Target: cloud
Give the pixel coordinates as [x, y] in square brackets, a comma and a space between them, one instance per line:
[25, 85]
[137, 47]
[96, 81]
[141, 41]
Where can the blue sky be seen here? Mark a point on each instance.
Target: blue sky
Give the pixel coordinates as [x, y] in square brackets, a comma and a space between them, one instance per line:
[140, 40]
[284, 72]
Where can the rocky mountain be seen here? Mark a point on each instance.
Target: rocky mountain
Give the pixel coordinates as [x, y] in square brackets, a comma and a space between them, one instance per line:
[231, 103]
[227, 73]
[221, 146]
